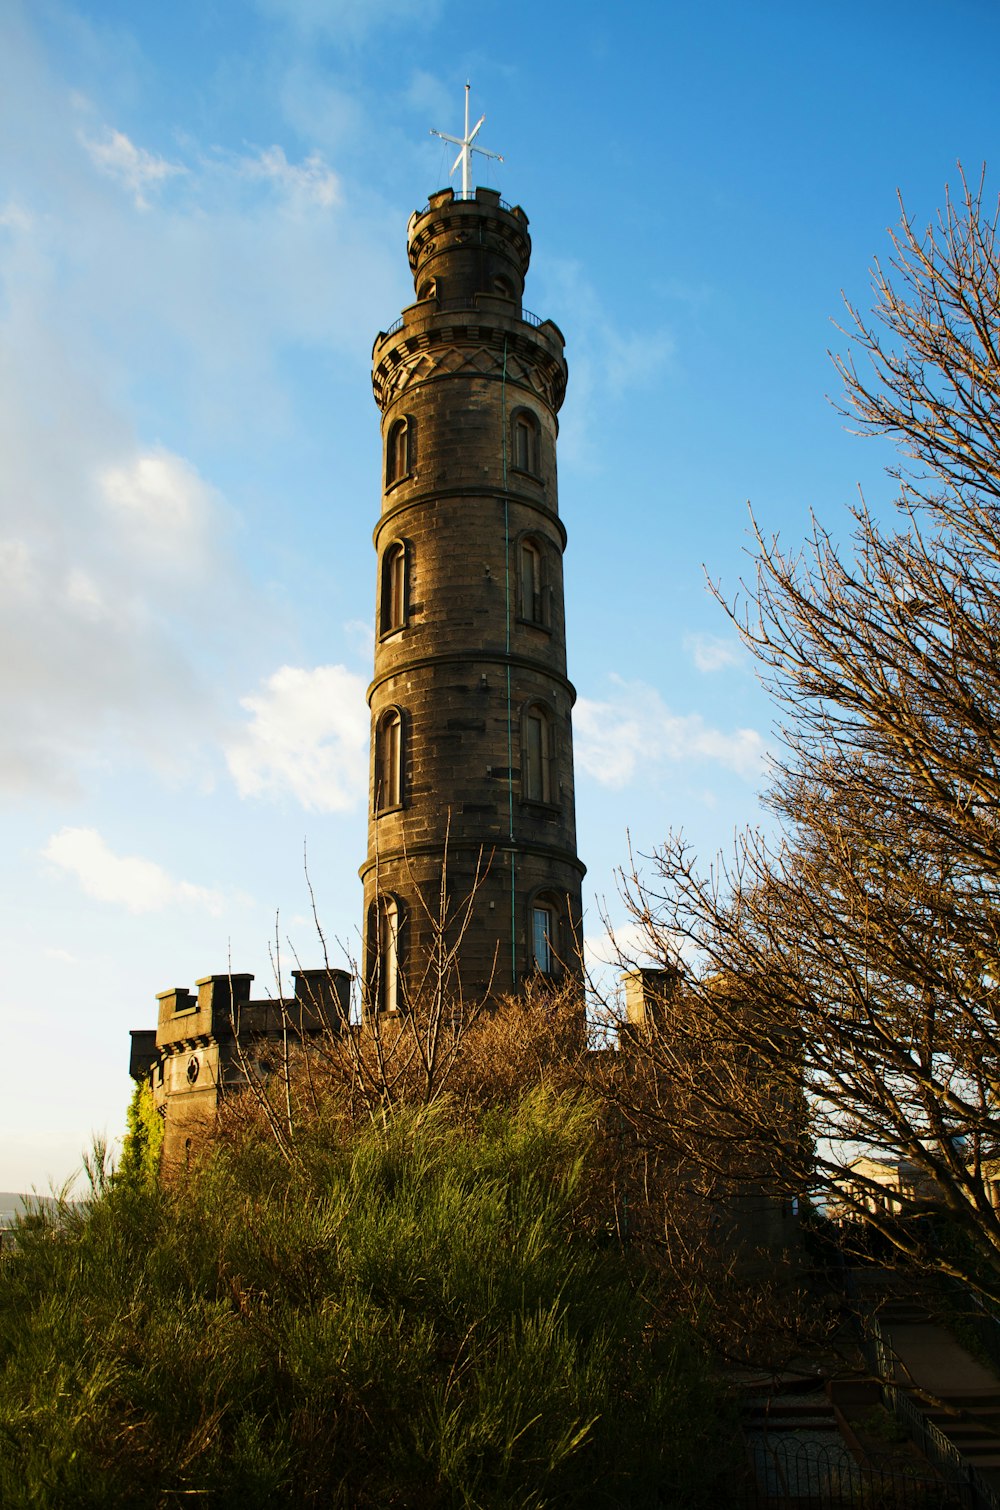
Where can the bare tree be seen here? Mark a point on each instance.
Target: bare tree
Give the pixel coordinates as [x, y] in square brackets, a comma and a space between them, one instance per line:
[368, 1058]
[857, 957]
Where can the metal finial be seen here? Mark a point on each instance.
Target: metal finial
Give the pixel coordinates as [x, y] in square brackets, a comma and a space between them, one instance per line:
[466, 148]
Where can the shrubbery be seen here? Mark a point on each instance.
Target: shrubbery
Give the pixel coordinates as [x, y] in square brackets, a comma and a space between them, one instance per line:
[409, 1313]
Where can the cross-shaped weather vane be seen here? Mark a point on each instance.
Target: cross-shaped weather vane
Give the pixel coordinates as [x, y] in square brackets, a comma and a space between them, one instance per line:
[466, 148]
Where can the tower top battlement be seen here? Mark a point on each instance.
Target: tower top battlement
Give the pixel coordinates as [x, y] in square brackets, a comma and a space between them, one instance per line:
[462, 247]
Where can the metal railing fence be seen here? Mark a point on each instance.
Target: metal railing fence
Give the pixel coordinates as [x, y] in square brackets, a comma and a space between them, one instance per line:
[448, 306]
[787, 1473]
[933, 1443]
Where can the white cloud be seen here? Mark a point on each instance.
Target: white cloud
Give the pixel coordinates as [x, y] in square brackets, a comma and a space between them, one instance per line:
[623, 945]
[63, 957]
[163, 504]
[124, 606]
[308, 739]
[124, 880]
[712, 652]
[311, 182]
[98, 576]
[634, 733]
[84, 595]
[119, 158]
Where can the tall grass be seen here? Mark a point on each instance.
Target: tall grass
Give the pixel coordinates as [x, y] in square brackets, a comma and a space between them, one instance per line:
[409, 1314]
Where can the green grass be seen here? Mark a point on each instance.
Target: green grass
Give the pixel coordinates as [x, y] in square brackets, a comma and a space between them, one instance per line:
[408, 1315]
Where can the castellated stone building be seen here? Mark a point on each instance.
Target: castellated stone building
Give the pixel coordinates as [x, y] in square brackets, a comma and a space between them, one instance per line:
[471, 776]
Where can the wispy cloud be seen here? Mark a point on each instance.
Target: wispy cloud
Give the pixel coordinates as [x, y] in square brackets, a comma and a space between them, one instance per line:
[133, 167]
[346, 20]
[608, 360]
[311, 182]
[110, 314]
[633, 734]
[126, 881]
[307, 739]
[361, 635]
[712, 652]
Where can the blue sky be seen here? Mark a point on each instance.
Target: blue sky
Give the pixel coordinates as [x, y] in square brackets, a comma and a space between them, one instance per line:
[203, 210]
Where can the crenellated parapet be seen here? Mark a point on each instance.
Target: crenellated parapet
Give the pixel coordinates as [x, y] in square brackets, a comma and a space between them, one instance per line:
[217, 1038]
[466, 246]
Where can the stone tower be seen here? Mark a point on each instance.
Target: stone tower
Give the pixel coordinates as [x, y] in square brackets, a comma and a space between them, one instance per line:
[472, 755]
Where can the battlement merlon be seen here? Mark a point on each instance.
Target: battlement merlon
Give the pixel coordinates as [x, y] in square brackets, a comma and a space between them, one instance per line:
[223, 1009]
[650, 996]
[183, 1016]
[467, 246]
[143, 1052]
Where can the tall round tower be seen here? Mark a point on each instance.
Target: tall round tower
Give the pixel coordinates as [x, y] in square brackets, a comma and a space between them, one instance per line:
[472, 756]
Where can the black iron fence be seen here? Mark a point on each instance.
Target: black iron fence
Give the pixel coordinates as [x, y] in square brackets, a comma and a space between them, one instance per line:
[936, 1447]
[787, 1473]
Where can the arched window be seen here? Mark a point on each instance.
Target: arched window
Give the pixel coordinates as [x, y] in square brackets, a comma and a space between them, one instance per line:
[503, 287]
[544, 936]
[392, 607]
[388, 955]
[389, 760]
[384, 928]
[545, 944]
[530, 578]
[428, 290]
[525, 442]
[399, 450]
[536, 754]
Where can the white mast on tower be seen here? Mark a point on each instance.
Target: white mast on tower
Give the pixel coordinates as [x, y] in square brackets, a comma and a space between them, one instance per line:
[465, 144]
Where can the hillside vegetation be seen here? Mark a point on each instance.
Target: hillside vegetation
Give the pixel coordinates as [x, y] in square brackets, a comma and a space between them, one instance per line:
[411, 1311]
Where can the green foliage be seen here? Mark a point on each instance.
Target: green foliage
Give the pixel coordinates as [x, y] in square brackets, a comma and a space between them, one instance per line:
[140, 1160]
[409, 1315]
